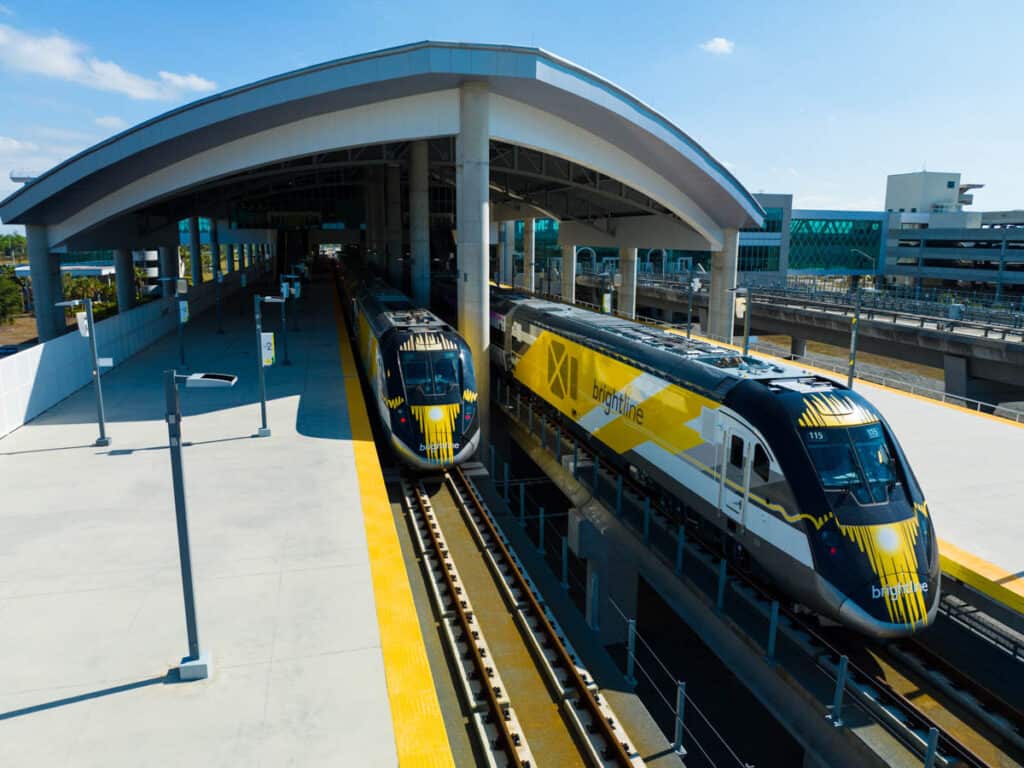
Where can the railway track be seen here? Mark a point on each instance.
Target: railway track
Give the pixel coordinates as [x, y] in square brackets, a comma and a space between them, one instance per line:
[908, 690]
[533, 702]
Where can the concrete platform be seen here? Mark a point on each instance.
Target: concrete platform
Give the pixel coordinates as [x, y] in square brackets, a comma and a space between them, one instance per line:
[287, 550]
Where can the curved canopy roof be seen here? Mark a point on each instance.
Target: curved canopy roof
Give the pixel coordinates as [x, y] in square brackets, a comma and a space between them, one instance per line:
[527, 76]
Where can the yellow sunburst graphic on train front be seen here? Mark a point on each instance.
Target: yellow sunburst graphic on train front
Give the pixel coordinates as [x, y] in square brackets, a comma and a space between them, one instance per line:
[893, 559]
[437, 425]
[834, 411]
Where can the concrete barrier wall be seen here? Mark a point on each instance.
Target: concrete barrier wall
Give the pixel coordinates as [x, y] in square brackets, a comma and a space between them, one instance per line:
[39, 377]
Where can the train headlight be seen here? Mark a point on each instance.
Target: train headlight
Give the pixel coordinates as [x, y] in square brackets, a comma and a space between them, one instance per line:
[435, 414]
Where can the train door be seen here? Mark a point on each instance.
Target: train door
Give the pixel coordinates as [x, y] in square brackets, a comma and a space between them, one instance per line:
[735, 467]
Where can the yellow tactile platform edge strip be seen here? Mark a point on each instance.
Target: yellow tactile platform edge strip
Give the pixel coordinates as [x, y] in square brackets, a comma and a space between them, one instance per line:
[991, 580]
[420, 735]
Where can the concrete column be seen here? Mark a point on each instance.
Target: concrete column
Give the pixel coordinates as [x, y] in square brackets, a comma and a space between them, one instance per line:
[394, 201]
[419, 222]
[472, 195]
[44, 269]
[231, 258]
[195, 257]
[569, 273]
[124, 274]
[627, 291]
[168, 268]
[798, 347]
[507, 251]
[214, 248]
[721, 298]
[528, 255]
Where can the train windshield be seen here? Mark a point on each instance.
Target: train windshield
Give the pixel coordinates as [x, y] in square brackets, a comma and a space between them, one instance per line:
[430, 376]
[855, 460]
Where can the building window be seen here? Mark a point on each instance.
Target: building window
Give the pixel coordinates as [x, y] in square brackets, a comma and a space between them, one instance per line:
[759, 258]
[835, 245]
[951, 184]
[772, 222]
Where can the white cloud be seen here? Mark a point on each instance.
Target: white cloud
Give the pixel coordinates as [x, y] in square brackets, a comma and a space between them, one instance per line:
[59, 57]
[719, 46]
[113, 122]
[5, 11]
[10, 146]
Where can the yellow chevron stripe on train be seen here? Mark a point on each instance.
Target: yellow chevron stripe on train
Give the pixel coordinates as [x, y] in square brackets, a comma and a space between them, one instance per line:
[801, 477]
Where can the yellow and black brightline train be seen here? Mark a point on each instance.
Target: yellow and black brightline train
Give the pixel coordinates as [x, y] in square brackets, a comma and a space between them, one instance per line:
[803, 476]
[421, 373]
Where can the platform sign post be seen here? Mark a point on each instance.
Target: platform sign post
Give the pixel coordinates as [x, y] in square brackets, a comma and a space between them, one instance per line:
[218, 278]
[265, 355]
[284, 322]
[183, 316]
[87, 327]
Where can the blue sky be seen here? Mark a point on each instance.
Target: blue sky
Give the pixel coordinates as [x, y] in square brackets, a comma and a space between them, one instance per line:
[819, 99]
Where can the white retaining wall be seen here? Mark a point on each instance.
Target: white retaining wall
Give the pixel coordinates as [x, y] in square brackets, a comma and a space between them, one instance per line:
[39, 377]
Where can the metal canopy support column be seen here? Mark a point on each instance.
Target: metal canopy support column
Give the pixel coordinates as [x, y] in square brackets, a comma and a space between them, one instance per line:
[627, 291]
[506, 244]
[168, 268]
[194, 253]
[473, 169]
[124, 275]
[44, 269]
[394, 203]
[569, 273]
[528, 254]
[721, 298]
[419, 222]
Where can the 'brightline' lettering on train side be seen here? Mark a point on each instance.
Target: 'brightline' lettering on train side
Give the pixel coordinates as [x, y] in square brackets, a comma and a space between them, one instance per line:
[619, 402]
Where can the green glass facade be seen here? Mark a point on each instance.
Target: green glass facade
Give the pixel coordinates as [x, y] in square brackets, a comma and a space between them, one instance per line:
[759, 258]
[772, 221]
[832, 244]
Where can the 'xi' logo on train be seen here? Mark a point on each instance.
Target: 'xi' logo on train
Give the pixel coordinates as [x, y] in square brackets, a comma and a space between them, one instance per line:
[562, 371]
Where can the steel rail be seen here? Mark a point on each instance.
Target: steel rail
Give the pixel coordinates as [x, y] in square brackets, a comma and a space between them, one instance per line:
[616, 750]
[508, 742]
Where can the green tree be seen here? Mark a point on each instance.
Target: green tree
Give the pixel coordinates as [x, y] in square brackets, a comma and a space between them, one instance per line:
[10, 299]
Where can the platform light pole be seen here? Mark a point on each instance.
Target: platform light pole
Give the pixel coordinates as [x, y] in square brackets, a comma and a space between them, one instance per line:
[102, 440]
[197, 664]
[855, 323]
[264, 430]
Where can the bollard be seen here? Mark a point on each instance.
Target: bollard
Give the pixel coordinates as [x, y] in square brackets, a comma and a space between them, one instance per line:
[720, 602]
[540, 534]
[647, 520]
[618, 496]
[504, 491]
[631, 652]
[680, 711]
[933, 747]
[680, 546]
[837, 698]
[522, 506]
[773, 628]
[493, 468]
[565, 563]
